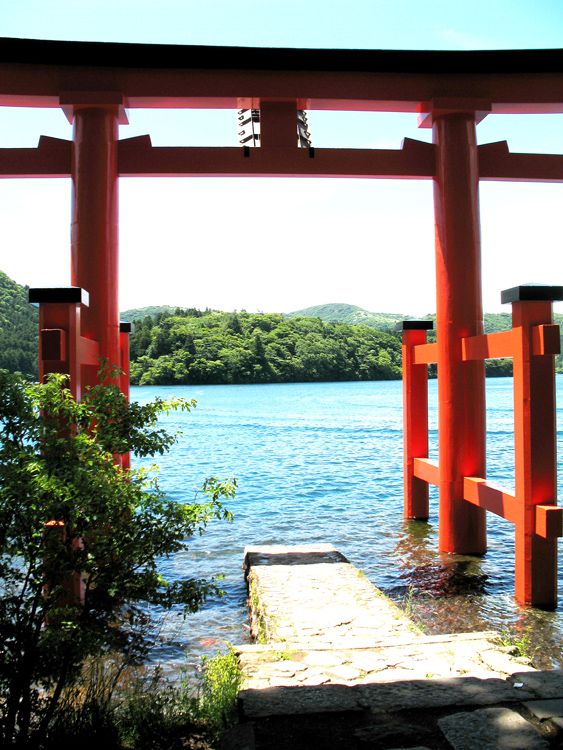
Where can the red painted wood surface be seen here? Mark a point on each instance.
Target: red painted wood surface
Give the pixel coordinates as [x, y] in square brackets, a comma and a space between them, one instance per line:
[459, 313]
[94, 231]
[535, 457]
[64, 318]
[415, 425]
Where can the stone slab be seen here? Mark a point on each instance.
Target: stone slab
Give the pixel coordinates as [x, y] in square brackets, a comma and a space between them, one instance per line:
[311, 594]
[309, 604]
[333, 644]
[288, 701]
[378, 697]
[409, 660]
[545, 709]
[498, 728]
[438, 693]
[543, 684]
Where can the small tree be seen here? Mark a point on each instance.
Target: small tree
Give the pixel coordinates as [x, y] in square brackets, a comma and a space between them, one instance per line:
[71, 518]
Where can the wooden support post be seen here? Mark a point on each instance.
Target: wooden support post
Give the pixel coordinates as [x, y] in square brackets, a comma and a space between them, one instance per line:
[534, 444]
[278, 123]
[94, 236]
[124, 333]
[62, 349]
[461, 385]
[415, 418]
[60, 343]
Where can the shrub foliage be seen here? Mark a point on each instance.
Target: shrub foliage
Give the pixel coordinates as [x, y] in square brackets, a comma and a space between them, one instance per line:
[72, 519]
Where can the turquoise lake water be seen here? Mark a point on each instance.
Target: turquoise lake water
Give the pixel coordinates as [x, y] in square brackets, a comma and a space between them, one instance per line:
[322, 462]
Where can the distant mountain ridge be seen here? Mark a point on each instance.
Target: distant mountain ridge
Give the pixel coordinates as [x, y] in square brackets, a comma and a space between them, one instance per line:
[19, 323]
[336, 312]
[339, 312]
[138, 313]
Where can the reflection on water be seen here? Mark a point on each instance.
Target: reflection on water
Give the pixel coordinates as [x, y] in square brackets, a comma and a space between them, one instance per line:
[426, 573]
[322, 462]
[447, 593]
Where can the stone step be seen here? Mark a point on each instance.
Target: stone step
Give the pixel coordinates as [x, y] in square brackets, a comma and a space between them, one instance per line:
[445, 656]
[381, 697]
[340, 667]
[312, 594]
[499, 728]
[320, 621]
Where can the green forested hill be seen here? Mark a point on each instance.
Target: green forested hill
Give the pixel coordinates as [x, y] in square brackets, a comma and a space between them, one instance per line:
[342, 313]
[136, 313]
[216, 347]
[18, 329]
[173, 345]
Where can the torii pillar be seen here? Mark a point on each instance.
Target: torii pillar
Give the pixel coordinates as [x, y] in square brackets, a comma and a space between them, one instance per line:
[94, 232]
[459, 313]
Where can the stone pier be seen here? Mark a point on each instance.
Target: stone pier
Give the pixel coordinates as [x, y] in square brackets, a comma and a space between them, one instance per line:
[335, 664]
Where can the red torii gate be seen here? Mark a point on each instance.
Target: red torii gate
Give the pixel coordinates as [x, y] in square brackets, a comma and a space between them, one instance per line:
[94, 83]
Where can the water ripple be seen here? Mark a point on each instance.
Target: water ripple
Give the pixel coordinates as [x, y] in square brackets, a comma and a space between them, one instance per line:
[323, 463]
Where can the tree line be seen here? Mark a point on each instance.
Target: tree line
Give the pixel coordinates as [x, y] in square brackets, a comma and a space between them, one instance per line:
[19, 329]
[189, 346]
[195, 347]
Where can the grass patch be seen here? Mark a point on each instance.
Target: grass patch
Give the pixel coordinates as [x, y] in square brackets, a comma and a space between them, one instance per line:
[518, 644]
[259, 620]
[123, 708]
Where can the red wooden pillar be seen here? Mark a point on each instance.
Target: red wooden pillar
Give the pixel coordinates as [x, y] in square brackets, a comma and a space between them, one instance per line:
[534, 439]
[461, 385]
[415, 418]
[60, 343]
[124, 333]
[94, 234]
[62, 349]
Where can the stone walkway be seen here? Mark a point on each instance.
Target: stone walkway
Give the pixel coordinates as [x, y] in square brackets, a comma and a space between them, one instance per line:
[338, 665]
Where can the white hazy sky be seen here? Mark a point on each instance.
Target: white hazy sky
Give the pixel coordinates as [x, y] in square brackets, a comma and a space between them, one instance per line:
[284, 244]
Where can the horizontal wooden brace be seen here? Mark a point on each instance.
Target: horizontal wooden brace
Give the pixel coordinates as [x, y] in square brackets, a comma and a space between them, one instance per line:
[52, 158]
[488, 346]
[89, 352]
[549, 521]
[478, 492]
[549, 518]
[425, 354]
[137, 157]
[497, 163]
[427, 470]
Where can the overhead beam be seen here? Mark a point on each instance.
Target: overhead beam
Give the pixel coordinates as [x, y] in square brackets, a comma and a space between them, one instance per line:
[34, 72]
[415, 160]
[137, 158]
[52, 158]
[496, 162]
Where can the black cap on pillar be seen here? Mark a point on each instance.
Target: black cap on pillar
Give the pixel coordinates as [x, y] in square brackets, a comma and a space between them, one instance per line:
[57, 294]
[532, 293]
[414, 325]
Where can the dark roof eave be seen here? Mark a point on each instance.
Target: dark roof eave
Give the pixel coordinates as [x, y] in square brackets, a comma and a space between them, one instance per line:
[166, 56]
